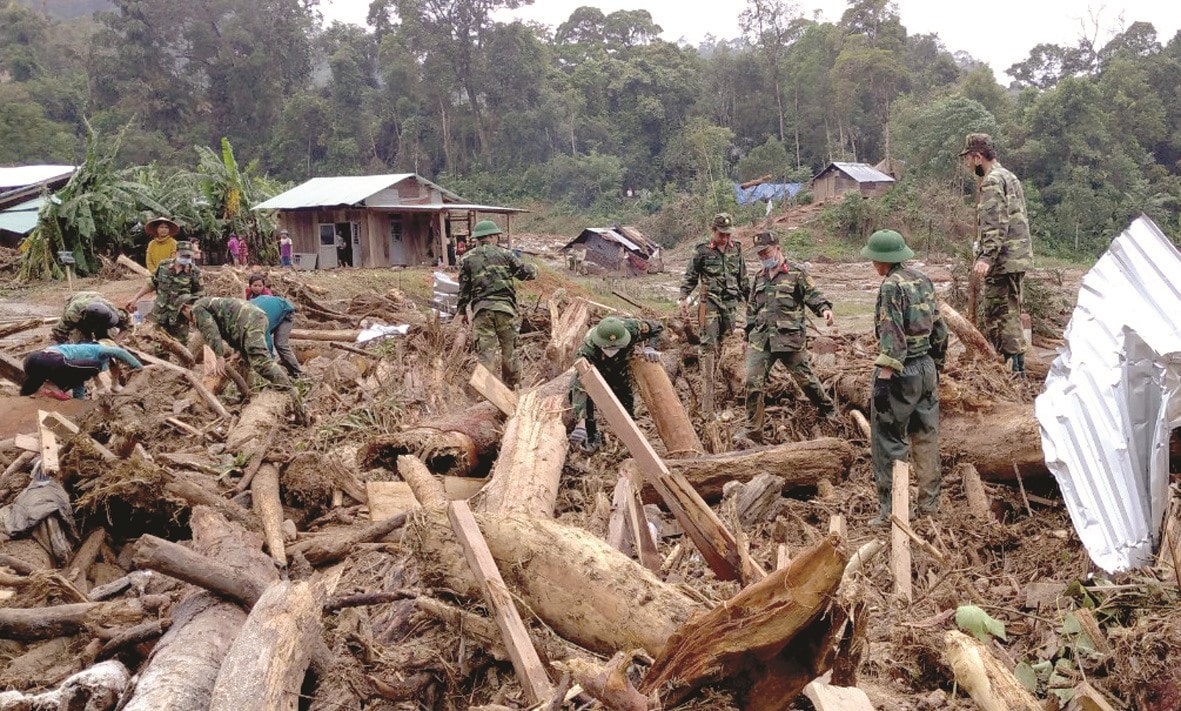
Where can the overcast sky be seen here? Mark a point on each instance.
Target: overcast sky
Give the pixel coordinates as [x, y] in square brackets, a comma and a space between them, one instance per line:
[1009, 30]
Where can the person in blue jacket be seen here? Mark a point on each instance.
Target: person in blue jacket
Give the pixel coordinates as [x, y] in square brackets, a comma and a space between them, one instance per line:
[281, 319]
[70, 365]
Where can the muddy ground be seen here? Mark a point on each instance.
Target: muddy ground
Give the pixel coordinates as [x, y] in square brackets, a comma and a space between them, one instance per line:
[1027, 569]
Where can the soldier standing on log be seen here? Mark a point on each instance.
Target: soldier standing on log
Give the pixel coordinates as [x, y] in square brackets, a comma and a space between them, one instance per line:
[1004, 250]
[486, 275]
[777, 331]
[912, 345]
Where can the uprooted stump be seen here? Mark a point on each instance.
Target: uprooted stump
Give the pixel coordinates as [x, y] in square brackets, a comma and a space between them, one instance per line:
[99, 687]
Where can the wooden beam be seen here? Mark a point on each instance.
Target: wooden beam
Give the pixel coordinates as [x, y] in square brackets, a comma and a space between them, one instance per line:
[836, 524]
[527, 664]
[899, 541]
[922, 542]
[124, 261]
[782, 556]
[28, 442]
[391, 498]
[493, 390]
[717, 544]
[618, 531]
[646, 547]
[50, 464]
[63, 427]
[12, 369]
[836, 698]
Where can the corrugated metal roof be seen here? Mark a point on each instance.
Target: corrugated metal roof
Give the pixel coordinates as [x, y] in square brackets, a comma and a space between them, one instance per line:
[341, 190]
[437, 207]
[864, 173]
[22, 175]
[1112, 396]
[21, 218]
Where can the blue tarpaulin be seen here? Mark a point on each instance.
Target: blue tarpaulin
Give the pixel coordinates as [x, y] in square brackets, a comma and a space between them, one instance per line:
[766, 191]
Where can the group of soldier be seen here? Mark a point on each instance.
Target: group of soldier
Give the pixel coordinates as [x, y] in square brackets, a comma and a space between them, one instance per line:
[912, 336]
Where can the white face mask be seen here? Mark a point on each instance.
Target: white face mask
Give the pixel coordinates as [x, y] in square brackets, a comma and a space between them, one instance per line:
[183, 260]
[611, 352]
[769, 263]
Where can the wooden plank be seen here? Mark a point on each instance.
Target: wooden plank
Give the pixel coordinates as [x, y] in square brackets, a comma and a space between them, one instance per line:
[527, 664]
[919, 540]
[124, 261]
[27, 442]
[63, 427]
[836, 524]
[1088, 698]
[782, 556]
[899, 541]
[391, 498]
[12, 369]
[493, 390]
[618, 531]
[646, 547]
[50, 465]
[718, 545]
[836, 698]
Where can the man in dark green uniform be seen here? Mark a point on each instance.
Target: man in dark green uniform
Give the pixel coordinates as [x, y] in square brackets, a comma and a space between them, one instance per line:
[912, 344]
[174, 278]
[486, 276]
[89, 316]
[228, 325]
[1004, 249]
[609, 347]
[777, 331]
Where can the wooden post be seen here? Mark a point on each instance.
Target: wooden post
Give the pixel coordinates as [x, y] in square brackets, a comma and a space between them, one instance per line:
[493, 390]
[527, 664]
[899, 541]
[63, 427]
[718, 545]
[50, 466]
[70, 277]
[646, 547]
[672, 422]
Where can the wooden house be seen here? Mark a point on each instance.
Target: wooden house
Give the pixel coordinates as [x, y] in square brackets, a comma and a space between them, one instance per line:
[378, 221]
[622, 250]
[840, 178]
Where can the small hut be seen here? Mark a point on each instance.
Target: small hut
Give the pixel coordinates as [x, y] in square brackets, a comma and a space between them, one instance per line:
[619, 250]
[840, 178]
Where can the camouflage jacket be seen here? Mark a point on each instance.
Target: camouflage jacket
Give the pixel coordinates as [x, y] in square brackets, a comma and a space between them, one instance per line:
[225, 321]
[722, 272]
[775, 312]
[74, 317]
[486, 276]
[170, 285]
[1003, 223]
[908, 323]
[616, 370]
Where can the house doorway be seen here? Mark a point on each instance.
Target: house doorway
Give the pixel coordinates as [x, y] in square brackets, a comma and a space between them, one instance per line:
[397, 242]
[340, 245]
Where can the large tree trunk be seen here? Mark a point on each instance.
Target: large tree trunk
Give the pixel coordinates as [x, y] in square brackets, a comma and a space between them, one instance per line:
[994, 441]
[462, 443]
[528, 470]
[666, 409]
[264, 412]
[181, 671]
[567, 329]
[799, 463]
[974, 341]
[750, 642]
[588, 592]
[264, 669]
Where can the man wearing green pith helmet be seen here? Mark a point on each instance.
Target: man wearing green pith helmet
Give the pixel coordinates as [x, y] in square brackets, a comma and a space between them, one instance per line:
[486, 276]
[912, 345]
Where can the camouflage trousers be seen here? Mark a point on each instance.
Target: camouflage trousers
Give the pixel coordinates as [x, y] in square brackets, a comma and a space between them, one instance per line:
[719, 320]
[907, 427]
[496, 329]
[173, 324]
[1003, 294]
[582, 402]
[758, 367]
[253, 348]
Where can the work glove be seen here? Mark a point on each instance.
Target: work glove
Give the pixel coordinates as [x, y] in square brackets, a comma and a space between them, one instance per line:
[881, 394]
[650, 354]
[577, 435]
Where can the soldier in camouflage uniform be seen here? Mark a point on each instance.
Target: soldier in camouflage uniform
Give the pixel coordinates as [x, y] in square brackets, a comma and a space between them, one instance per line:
[1004, 250]
[486, 276]
[718, 266]
[174, 279]
[609, 347]
[776, 331]
[227, 323]
[89, 317]
[912, 344]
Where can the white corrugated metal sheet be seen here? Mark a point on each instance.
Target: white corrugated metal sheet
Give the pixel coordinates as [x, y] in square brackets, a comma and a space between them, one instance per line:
[22, 175]
[341, 191]
[864, 173]
[1112, 396]
[21, 219]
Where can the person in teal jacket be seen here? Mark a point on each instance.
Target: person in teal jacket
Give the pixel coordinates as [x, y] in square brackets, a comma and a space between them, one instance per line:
[280, 320]
[70, 365]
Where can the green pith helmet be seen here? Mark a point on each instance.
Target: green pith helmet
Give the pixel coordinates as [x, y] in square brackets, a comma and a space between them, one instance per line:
[886, 246]
[611, 333]
[485, 228]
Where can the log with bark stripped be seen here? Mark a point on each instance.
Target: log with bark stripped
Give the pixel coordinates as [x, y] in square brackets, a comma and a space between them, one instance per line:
[528, 469]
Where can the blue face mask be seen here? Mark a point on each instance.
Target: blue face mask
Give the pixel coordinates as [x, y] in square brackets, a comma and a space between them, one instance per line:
[769, 264]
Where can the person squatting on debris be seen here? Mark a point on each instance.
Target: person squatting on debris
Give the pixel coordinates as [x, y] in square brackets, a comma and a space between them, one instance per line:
[609, 347]
[777, 331]
[1004, 250]
[163, 232]
[280, 320]
[486, 275]
[257, 286]
[718, 266]
[173, 280]
[227, 323]
[912, 345]
[89, 317]
[70, 365]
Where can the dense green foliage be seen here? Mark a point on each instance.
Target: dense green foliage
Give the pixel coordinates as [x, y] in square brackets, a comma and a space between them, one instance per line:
[600, 105]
